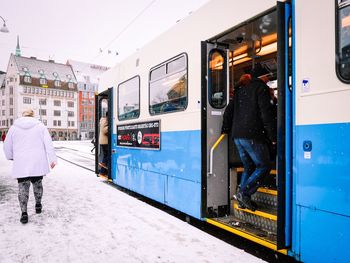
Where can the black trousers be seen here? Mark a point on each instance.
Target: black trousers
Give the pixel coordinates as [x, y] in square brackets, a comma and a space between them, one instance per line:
[23, 190]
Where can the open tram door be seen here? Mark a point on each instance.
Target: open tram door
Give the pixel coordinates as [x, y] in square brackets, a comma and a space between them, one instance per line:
[104, 103]
[264, 40]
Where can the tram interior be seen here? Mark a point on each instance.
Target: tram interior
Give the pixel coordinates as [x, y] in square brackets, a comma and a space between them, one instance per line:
[252, 43]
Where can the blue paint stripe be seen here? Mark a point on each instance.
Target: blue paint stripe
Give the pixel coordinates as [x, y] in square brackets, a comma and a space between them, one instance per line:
[171, 175]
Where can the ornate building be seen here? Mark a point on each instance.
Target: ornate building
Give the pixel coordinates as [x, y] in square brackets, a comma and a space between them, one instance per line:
[49, 88]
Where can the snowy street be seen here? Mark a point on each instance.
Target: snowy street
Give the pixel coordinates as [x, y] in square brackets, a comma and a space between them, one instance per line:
[86, 220]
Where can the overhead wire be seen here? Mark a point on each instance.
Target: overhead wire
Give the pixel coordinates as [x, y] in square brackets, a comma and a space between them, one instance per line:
[126, 27]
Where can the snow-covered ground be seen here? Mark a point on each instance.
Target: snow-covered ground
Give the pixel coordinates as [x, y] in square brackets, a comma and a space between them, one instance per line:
[86, 220]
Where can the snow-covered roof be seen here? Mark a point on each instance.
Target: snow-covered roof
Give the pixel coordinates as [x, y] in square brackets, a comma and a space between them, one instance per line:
[50, 69]
[86, 72]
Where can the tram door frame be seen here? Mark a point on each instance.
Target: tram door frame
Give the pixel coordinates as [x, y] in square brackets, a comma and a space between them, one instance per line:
[284, 124]
[215, 178]
[107, 94]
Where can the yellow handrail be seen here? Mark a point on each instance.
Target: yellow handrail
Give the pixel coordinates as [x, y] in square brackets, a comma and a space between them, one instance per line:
[212, 151]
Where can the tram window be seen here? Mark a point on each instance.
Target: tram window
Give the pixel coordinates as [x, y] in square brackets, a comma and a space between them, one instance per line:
[217, 79]
[129, 99]
[343, 41]
[176, 65]
[168, 93]
[158, 72]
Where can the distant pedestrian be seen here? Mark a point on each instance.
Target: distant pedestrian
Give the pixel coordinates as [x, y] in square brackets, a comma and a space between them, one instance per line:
[28, 143]
[3, 136]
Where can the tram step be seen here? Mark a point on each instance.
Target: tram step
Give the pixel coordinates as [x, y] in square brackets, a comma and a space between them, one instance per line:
[266, 197]
[241, 169]
[265, 219]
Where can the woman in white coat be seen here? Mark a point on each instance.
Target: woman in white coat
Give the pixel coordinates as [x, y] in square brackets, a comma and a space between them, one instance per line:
[28, 143]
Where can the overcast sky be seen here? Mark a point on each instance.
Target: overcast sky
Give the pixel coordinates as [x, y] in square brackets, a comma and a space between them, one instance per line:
[78, 29]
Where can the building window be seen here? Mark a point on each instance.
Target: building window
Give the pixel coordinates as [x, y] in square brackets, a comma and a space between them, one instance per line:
[11, 101]
[129, 99]
[11, 112]
[45, 122]
[43, 81]
[54, 123]
[27, 79]
[42, 101]
[11, 121]
[57, 83]
[27, 100]
[57, 103]
[42, 112]
[58, 123]
[168, 86]
[343, 40]
[56, 113]
[70, 85]
[3, 112]
[3, 102]
[11, 90]
[70, 104]
[70, 113]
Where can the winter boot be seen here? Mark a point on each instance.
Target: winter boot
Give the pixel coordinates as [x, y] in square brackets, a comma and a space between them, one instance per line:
[246, 202]
[24, 218]
[38, 208]
[240, 204]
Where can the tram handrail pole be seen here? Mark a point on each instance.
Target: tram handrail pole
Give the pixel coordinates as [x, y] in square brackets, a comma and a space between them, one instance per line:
[212, 153]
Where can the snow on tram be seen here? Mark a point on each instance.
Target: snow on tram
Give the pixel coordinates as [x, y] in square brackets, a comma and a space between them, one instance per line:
[166, 104]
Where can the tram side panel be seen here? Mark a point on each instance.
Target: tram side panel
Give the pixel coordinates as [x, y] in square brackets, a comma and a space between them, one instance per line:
[170, 175]
[322, 145]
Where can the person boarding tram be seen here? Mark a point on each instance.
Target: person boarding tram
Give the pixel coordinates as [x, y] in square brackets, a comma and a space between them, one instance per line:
[251, 119]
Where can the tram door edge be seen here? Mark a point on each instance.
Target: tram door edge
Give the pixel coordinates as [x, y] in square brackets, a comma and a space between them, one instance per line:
[102, 104]
[284, 125]
[215, 98]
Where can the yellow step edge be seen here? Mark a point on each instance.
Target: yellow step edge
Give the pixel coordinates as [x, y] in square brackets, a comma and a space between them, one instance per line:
[241, 169]
[105, 177]
[256, 212]
[247, 236]
[267, 191]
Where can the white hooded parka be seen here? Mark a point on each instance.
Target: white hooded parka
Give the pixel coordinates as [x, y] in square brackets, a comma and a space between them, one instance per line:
[28, 143]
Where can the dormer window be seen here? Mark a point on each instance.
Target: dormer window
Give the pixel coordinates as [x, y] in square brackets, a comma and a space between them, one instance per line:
[27, 78]
[43, 81]
[70, 85]
[57, 83]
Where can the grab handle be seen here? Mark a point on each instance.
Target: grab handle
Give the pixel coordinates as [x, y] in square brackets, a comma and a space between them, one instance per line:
[211, 156]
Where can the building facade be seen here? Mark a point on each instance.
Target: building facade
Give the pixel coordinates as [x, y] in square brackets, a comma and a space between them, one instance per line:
[49, 88]
[87, 76]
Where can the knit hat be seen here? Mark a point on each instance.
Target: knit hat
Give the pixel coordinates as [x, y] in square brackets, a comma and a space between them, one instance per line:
[28, 113]
[259, 71]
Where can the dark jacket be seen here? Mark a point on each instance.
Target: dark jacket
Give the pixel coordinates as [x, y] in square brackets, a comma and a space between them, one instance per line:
[250, 114]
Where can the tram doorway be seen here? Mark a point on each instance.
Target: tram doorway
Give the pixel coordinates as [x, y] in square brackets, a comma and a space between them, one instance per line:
[225, 59]
[103, 121]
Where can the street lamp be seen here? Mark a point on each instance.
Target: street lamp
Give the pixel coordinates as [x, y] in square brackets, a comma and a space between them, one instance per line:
[4, 28]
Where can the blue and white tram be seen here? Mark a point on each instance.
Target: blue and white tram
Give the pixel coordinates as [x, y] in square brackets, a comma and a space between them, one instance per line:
[166, 103]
